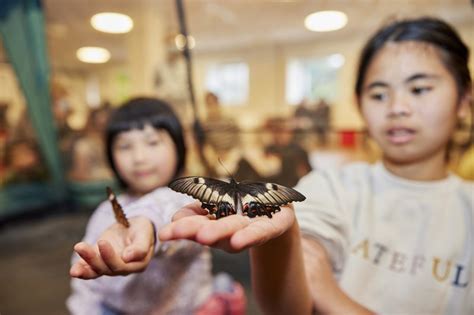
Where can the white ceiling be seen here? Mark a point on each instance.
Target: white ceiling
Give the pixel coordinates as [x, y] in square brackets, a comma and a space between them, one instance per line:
[230, 24]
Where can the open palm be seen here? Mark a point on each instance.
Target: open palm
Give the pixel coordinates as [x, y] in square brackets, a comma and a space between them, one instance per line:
[119, 251]
[233, 233]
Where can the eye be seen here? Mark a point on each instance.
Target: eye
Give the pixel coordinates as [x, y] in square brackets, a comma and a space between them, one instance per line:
[154, 142]
[123, 146]
[419, 90]
[378, 96]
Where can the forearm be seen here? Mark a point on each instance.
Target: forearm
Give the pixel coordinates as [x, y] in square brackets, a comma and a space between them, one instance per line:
[328, 297]
[278, 275]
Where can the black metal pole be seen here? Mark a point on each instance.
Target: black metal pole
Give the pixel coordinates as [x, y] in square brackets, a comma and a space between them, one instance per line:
[198, 131]
[186, 53]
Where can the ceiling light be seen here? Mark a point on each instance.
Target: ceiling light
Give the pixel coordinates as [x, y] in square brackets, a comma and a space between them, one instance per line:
[110, 22]
[325, 21]
[180, 41]
[93, 54]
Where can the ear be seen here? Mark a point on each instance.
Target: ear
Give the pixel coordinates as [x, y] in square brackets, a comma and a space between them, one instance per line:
[465, 105]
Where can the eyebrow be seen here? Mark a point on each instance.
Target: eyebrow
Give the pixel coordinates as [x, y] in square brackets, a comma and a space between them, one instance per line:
[376, 84]
[412, 78]
[417, 76]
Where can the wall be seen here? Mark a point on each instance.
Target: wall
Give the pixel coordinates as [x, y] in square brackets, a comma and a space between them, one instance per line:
[267, 76]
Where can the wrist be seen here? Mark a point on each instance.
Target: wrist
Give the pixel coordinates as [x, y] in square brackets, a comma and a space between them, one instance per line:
[284, 231]
[336, 302]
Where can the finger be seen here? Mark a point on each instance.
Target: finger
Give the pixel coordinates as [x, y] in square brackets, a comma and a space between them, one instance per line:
[91, 257]
[109, 257]
[184, 228]
[263, 229]
[82, 270]
[142, 244]
[134, 267]
[216, 230]
[132, 253]
[189, 210]
[137, 266]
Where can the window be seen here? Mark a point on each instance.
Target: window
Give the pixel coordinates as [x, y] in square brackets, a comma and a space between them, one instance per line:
[229, 81]
[312, 78]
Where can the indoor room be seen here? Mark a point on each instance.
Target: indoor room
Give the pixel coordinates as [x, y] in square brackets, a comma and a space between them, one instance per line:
[130, 95]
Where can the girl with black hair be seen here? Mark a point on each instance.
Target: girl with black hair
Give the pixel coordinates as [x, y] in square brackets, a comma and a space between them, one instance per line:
[395, 237]
[145, 148]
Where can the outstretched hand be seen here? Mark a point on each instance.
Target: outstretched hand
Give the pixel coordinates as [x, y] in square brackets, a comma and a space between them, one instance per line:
[233, 233]
[119, 251]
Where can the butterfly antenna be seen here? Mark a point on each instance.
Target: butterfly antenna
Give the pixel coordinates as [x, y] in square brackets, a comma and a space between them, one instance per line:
[220, 161]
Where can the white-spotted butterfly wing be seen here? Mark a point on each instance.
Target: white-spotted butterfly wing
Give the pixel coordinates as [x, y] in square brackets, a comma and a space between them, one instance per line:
[248, 198]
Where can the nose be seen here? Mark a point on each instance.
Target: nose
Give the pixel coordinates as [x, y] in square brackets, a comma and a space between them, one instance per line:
[399, 106]
[138, 154]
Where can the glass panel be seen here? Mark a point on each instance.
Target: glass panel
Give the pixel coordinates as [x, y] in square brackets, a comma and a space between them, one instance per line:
[229, 81]
[310, 79]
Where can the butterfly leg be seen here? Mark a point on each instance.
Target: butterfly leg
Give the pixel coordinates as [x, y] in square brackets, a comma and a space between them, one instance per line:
[253, 209]
[211, 208]
[224, 209]
[271, 209]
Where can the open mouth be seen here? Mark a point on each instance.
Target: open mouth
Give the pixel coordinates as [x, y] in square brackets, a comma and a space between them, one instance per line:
[400, 135]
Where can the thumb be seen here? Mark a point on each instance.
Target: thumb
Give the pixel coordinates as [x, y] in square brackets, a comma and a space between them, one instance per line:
[141, 245]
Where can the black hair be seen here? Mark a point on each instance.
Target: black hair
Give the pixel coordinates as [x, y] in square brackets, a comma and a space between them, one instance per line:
[454, 53]
[135, 114]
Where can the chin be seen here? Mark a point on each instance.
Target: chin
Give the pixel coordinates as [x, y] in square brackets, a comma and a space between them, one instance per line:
[406, 157]
[399, 160]
[147, 188]
[401, 156]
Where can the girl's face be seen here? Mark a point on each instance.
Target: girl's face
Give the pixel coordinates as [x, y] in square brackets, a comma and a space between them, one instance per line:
[145, 159]
[410, 102]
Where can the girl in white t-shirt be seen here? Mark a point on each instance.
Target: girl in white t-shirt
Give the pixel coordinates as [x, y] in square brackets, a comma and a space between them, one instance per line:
[392, 238]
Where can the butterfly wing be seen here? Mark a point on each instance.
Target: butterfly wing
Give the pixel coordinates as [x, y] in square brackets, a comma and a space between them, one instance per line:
[211, 192]
[118, 211]
[266, 198]
[222, 198]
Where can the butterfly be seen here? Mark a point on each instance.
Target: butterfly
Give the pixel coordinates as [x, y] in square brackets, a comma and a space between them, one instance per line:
[118, 210]
[222, 198]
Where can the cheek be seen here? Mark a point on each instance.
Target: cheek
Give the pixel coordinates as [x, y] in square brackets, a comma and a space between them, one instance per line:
[167, 160]
[121, 162]
[441, 121]
[372, 120]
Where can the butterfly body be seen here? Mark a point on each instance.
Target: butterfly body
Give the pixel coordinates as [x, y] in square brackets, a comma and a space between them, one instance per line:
[226, 198]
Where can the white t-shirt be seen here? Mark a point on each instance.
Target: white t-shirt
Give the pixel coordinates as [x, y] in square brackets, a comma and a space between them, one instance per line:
[397, 246]
[176, 281]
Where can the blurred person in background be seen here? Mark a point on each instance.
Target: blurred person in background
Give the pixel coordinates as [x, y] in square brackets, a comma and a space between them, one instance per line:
[87, 158]
[23, 163]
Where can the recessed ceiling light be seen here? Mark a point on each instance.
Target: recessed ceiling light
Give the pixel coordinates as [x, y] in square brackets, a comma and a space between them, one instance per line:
[180, 41]
[110, 22]
[93, 54]
[325, 21]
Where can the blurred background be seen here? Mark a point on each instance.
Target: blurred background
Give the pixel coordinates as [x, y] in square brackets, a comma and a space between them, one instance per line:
[262, 85]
